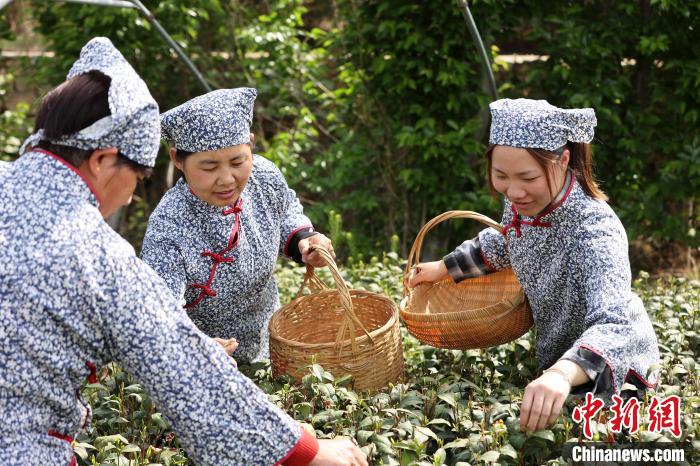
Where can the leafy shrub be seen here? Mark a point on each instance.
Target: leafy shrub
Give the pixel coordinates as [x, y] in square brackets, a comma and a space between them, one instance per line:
[15, 124]
[454, 407]
[375, 109]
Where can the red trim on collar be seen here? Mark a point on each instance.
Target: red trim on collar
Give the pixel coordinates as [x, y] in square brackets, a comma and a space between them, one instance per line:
[554, 207]
[537, 221]
[235, 208]
[74, 169]
[516, 222]
[232, 209]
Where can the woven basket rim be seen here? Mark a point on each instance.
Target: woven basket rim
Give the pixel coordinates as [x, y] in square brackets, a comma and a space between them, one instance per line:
[345, 343]
[447, 315]
[404, 310]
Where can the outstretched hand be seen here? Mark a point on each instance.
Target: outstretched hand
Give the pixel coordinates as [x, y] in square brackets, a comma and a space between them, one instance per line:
[545, 396]
[543, 400]
[428, 272]
[229, 345]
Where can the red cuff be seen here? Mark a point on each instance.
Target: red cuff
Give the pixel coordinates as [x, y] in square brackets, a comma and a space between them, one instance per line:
[302, 453]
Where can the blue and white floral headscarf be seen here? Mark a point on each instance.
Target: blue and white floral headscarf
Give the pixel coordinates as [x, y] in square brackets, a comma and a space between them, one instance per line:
[211, 121]
[536, 124]
[133, 125]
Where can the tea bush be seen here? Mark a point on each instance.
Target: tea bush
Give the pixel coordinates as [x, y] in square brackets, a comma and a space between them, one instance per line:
[454, 407]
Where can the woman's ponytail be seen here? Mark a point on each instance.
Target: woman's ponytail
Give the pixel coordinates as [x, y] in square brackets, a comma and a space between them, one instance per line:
[580, 161]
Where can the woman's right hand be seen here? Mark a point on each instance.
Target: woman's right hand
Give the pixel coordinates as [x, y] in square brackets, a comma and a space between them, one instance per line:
[428, 272]
[338, 452]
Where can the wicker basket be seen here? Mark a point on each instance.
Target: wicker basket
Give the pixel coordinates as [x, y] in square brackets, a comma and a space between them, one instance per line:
[475, 313]
[348, 331]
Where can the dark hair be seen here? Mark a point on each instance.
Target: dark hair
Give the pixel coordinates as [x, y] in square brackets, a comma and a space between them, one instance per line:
[181, 155]
[74, 105]
[580, 162]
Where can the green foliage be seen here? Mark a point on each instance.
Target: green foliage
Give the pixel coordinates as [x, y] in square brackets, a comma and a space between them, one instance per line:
[454, 407]
[376, 110]
[637, 64]
[15, 124]
[125, 428]
[191, 24]
[5, 28]
[408, 97]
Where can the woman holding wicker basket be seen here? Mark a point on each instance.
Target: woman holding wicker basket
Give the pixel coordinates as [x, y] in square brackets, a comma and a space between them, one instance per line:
[216, 235]
[569, 252]
[75, 297]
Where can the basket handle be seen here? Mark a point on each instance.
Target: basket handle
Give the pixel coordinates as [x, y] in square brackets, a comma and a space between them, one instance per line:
[316, 284]
[414, 255]
[311, 281]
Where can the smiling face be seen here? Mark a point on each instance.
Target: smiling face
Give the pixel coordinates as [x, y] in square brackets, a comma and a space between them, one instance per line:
[217, 177]
[517, 175]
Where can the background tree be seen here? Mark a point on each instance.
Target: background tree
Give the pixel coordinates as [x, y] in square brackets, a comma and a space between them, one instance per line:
[374, 110]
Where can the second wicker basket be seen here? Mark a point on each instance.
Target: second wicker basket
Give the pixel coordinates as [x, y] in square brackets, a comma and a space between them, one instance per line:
[346, 331]
[475, 313]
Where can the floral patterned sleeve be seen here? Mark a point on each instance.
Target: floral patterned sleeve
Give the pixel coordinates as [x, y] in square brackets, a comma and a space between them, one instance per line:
[188, 374]
[164, 257]
[295, 226]
[494, 249]
[619, 343]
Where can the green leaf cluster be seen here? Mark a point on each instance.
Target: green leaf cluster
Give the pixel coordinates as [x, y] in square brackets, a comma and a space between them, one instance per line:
[453, 407]
[376, 110]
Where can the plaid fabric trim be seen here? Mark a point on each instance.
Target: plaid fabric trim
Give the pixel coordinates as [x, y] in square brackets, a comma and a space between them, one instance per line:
[466, 261]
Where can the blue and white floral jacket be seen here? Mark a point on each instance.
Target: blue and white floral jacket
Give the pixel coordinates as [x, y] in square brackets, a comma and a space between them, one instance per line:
[573, 264]
[219, 261]
[73, 296]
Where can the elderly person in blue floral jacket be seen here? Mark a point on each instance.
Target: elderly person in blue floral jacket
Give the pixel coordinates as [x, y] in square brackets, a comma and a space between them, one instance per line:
[73, 295]
[216, 235]
[568, 249]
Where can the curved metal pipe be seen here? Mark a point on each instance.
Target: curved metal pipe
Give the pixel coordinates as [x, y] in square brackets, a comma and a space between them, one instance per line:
[151, 19]
[486, 63]
[183, 56]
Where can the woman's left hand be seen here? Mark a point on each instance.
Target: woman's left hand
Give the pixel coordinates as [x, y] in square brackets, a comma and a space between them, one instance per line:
[543, 400]
[311, 257]
[229, 345]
